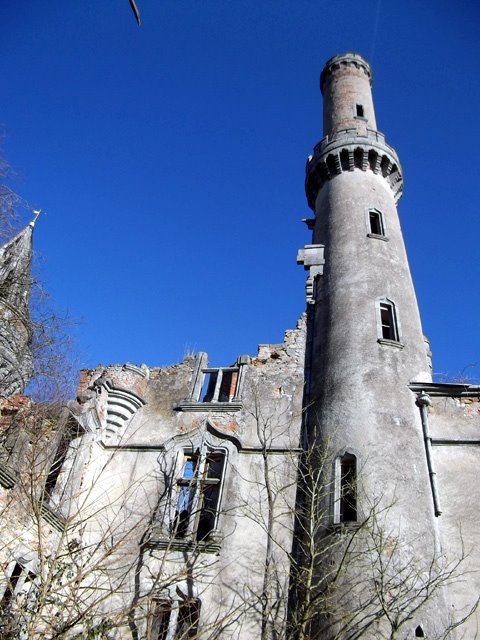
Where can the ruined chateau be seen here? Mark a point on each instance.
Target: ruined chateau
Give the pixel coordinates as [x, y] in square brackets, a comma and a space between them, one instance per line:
[322, 488]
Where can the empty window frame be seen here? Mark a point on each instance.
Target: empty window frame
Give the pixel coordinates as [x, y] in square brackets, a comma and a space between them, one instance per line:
[345, 507]
[359, 111]
[175, 620]
[188, 619]
[219, 385]
[375, 223]
[160, 622]
[71, 432]
[388, 321]
[198, 495]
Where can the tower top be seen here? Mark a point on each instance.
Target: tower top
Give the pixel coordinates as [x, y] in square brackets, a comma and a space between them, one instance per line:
[351, 140]
[346, 86]
[342, 61]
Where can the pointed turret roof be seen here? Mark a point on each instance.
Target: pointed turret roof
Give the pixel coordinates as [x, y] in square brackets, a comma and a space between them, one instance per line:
[15, 322]
[15, 270]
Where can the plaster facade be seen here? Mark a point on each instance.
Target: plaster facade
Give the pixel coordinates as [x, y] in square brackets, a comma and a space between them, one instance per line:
[315, 490]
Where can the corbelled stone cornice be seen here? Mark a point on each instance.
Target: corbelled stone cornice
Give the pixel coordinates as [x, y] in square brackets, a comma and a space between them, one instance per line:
[346, 151]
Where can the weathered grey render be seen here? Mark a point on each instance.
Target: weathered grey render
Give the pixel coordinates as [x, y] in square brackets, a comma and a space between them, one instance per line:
[323, 488]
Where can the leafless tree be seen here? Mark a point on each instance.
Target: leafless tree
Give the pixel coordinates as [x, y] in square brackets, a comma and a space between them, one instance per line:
[350, 580]
[79, 569]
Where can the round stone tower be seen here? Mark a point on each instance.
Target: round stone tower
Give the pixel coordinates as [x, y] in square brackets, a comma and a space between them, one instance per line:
[366, 346]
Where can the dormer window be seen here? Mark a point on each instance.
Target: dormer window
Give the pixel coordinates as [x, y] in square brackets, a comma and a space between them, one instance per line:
[215, 389]
[219, 385]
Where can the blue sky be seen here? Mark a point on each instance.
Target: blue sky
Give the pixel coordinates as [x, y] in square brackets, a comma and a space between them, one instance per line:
[169, 160]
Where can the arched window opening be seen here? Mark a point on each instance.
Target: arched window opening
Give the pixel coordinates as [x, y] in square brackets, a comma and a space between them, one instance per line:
[345, 506]
[419, 632]
[348, 491]
[375, 220]
[388, 321]
[198, 495]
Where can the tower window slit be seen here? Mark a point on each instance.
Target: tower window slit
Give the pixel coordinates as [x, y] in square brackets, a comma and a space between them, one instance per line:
[419, 632]
[348, 489]
[360, 111]
[345, 503]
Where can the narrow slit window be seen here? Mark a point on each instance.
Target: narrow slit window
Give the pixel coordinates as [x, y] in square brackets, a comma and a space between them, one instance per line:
[208, 388]
[345, 498]
[348, 488]
[360, 111]
[210, 496]
[186, 495]
[388, 321]
[376, 223]
[161, 620]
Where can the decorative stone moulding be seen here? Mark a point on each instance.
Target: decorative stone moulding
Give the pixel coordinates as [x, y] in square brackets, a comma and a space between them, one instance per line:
[121, 406]
[113, 396]
[8, 477]
[312, 256]
[344, 60]
[347, 151]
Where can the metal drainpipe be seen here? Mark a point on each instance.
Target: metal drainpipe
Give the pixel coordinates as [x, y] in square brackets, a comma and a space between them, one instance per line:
[424, 401]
